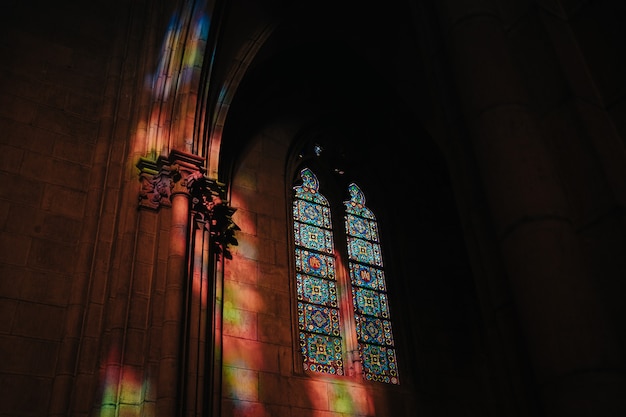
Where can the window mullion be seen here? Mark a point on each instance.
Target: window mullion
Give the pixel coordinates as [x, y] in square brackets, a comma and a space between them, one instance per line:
[348, 323]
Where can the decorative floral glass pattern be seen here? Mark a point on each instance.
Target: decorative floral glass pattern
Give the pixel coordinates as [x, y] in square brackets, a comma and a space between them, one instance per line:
[372, 303]
[311, 213]
[321, 353]
[369, 298]
[318, 313]
[374, 330]
[318, 319]
[316, 290]
[313, 237]
[379, 363]
[364, 251]
[362, 228]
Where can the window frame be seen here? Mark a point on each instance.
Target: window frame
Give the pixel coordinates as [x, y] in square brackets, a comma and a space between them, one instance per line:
[352, 366]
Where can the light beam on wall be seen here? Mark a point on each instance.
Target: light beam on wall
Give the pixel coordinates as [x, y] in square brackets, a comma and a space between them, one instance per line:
[163, 112]
[242, 355]
[242, 359]
[170, 86]
[124, 387]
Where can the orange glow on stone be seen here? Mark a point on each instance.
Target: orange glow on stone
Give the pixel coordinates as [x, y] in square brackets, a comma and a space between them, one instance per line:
[123, 387]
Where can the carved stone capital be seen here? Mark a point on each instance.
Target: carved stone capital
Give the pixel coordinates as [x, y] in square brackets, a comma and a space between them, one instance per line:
[182, 173]
[184, 167]
[156, 185]
[156, 190]
[165, 177]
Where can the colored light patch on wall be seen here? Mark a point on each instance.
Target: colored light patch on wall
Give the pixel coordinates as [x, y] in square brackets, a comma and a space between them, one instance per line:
[161, 81]
[349, 399]
[242, 384]
[181, 56]
[123, 386]
[241, 359]
[239, 323]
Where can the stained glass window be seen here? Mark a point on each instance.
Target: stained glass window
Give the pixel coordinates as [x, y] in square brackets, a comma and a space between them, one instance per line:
[369, 291]
[321, 337]
[318, 311]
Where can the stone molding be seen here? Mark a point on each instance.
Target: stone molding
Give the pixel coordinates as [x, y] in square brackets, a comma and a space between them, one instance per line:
[166, 176]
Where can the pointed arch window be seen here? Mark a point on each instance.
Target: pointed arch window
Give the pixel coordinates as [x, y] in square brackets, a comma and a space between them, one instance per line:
[328, 329]
[369, 291]
[318, 312]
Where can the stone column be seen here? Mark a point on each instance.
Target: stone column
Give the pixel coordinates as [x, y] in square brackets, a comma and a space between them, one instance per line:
[573, 352]
[200, 233]
[197, 324]
[213, 234]
[171, 378]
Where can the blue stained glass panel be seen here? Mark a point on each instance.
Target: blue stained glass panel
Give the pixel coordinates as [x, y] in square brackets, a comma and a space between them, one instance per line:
[318, 315]
[311, 213]
[318, 319]
[312, 237]
[362, 228]
[370, 330]
[374, 330]
[314, 263]
[363, 251]
[369, 299]
[369, 302]
[367, 276]
[379, 363]
[317, 290]
[321, 353]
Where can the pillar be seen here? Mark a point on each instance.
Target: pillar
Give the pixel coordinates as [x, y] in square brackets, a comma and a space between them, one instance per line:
[574, 354]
